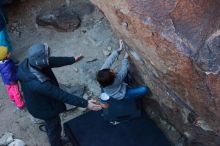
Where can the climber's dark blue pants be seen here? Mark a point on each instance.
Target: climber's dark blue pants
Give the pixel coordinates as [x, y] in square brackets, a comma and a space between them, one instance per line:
[136, 92]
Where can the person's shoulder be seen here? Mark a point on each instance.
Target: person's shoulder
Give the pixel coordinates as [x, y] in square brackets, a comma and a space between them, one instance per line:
[24, 62]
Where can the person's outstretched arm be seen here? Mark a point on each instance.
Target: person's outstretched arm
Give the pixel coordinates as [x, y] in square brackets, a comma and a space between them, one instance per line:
[123, 71]
[111, 59]
[55, 92]
[62, 61]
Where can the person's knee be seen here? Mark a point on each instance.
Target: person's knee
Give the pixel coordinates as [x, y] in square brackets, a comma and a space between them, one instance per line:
[145, 89]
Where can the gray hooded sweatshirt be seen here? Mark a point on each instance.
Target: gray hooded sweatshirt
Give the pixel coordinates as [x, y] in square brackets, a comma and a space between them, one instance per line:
[38, 56]
[118, 89]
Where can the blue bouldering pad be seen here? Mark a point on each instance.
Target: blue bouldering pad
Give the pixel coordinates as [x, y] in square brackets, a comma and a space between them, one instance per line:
[91, 129]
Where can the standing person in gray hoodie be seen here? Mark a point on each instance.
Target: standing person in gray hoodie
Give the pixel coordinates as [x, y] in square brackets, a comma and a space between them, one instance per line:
[113, 83]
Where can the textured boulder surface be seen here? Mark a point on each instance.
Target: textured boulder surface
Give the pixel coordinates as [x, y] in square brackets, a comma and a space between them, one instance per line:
[62, 19]
[175, 49]
[65, 18]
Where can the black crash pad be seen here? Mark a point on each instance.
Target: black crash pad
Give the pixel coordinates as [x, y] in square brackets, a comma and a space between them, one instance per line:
[91, 129]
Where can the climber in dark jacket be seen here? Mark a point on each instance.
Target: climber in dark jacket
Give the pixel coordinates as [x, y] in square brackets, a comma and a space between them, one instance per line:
[44, 99]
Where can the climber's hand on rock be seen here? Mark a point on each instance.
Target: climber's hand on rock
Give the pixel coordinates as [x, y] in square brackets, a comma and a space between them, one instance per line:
[121, 45]
[126, 55]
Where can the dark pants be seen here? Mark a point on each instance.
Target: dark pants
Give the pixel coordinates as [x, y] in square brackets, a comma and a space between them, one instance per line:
[53, 127]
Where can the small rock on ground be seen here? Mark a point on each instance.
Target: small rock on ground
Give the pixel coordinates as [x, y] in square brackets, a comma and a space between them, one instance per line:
[6, 139]
[62, 19]
[17, 142]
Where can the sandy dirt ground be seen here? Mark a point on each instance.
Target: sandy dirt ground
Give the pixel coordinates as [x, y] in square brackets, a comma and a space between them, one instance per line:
[90, 39]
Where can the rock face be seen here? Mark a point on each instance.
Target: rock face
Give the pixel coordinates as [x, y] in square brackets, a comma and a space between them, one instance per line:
[175, 49]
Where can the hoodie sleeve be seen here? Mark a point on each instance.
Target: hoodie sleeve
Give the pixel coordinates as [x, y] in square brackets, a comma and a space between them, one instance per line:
[110, 60]
[60, 61]
[122, 72]
[55, 92]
